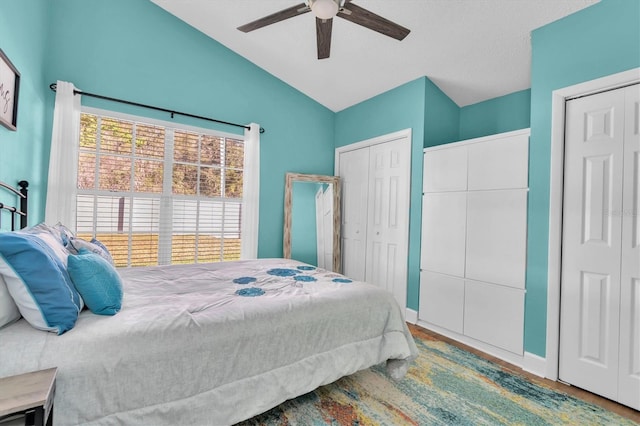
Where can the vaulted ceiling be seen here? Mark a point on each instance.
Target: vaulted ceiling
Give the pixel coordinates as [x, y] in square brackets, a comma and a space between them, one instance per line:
[473, 50]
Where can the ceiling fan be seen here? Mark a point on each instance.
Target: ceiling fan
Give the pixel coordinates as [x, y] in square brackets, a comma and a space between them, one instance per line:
[325, 10]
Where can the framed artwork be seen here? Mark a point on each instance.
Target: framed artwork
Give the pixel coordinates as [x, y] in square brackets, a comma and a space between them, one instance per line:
[9, 89]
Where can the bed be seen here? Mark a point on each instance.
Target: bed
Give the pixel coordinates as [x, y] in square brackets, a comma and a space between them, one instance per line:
[212, 343]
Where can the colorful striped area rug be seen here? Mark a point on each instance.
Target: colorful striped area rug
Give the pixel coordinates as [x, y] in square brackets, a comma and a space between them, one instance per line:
[445, 386]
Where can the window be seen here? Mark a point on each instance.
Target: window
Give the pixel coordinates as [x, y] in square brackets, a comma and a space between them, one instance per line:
[155, 193]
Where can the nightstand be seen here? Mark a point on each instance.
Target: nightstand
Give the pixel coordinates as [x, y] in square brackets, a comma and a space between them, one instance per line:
[30, 394]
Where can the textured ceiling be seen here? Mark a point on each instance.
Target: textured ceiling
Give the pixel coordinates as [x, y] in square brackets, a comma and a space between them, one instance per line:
[473, 50]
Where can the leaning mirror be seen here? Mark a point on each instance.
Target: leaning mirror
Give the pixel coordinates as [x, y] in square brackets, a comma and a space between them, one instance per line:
[312, 220]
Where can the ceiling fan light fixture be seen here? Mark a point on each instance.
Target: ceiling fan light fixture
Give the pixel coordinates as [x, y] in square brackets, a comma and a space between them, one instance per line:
[324, 9]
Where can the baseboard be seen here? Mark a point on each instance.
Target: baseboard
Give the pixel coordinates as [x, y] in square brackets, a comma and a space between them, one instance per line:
[502, 354]
[534, 364]
[411, 316]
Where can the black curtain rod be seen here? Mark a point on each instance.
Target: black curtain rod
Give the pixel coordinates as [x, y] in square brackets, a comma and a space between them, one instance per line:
[53, 86]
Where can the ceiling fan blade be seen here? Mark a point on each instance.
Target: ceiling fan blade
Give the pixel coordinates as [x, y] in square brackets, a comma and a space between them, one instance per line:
[323, 37]
[275, 17]
[360, 16]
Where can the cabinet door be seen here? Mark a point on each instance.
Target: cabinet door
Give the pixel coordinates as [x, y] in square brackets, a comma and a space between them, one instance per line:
[499, 164]
[494, 314]
[444, 217]
[445, 169]
[441, 300]
[497, 236]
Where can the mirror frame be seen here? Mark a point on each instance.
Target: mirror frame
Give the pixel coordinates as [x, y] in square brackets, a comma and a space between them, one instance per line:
[290, 178]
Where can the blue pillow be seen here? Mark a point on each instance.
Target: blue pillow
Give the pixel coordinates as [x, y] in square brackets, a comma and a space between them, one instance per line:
[97, 281]
[33, 266]
[77, 244]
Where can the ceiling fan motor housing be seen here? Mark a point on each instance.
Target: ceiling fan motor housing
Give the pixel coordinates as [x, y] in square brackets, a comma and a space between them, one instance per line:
[324, 9]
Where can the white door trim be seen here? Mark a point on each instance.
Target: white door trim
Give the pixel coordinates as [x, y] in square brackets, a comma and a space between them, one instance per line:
[558, 100]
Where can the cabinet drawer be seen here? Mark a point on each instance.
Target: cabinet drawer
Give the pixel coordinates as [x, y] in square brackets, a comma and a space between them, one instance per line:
[441, 300]
[494, 314]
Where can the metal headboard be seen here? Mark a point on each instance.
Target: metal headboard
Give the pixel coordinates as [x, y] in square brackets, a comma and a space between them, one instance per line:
[15, 211]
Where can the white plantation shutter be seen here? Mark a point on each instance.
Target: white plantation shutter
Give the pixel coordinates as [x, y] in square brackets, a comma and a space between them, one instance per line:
[155, 194]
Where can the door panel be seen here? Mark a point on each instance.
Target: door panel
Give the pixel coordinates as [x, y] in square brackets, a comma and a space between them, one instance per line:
[388, 217]
[596, 220]
[354, 174]
[629, 377]
[592, 241]
[594, 304]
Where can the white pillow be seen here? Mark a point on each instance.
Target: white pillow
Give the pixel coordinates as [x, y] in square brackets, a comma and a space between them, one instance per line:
[8, 310]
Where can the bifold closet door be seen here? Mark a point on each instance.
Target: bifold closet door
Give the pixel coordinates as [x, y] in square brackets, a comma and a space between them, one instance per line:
[388, 217]
[600, 305]
[629, 374]
[354, 173]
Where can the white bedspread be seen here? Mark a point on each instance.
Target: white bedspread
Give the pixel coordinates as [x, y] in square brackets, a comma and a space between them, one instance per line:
[188, 349]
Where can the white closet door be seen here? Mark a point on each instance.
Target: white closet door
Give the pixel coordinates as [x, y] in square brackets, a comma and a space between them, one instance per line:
[354, 174]
[629, 376]
[388, 217]
[591, 245]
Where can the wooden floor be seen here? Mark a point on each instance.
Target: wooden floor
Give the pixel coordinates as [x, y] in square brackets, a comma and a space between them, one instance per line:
[622, 410]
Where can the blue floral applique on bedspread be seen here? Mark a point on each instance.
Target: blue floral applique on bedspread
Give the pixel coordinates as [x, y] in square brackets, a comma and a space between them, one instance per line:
[250, 292]
[245, 280]
[306, 268]
[282, 272]
[342, 280]
[305, 278]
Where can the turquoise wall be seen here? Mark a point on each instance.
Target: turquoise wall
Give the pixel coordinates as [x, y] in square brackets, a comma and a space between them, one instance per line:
[497, 115]
[23, 153]
[597, 41]
[104, 47]
[441, 117]
[413, 105]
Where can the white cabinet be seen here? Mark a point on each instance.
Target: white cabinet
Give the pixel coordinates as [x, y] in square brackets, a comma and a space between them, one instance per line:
[474, 234]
